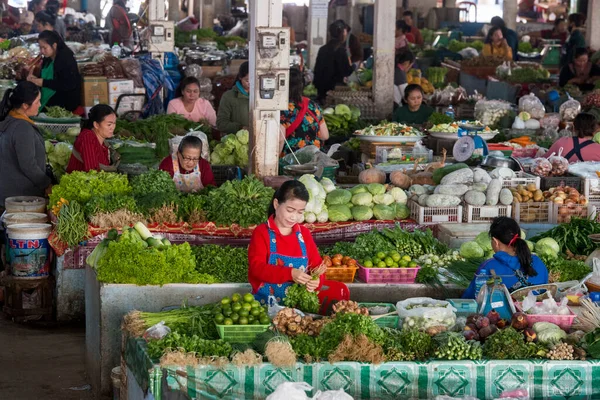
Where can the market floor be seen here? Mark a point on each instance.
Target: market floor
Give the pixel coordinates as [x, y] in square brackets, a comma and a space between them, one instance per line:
[42, 362]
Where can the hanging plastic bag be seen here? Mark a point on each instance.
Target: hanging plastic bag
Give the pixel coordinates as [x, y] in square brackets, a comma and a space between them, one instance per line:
[157, 332]
[529, 302]
[569, 109]
[541, 167]
[560, 165]
[550, 121]
[532, 105]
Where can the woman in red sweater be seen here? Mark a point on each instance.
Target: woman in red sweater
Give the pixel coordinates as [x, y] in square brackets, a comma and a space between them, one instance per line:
[89, 151]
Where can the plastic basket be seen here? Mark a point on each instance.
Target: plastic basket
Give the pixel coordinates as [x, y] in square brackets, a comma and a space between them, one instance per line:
[224, 173]
[521, 178]
[464, 307]
[240, 333]
[524, 153]
[532, 212]
[391, 321]
[341, 274]
[57, 128]
[485, 213]
[387, 275]
[564, 213]
[591, 189]
[563, 321]
[435, 215]
[549, 182]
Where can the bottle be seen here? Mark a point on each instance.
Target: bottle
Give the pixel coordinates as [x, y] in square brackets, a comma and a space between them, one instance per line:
[116, 50]
[480, 281]
[96, 100]
[450, 111]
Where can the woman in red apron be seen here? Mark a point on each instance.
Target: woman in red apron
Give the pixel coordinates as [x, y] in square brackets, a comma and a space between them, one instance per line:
[190, 172]
[303, 122]
[283, 252]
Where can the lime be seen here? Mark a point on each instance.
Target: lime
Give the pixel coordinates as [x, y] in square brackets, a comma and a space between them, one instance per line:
[225, 300]
[375, 260]
[264, 320]
[396, 257]
[236, 307]
[394, 265]
[255, 312]
[228, 321]
[251, 320]
[244, 313]
[218, 309]
[403, 263]
[412, 264]
[243, 321]
[219, 318]
[368, 264]
[227, 312]
[407, 258]
[381, 255]
[246, 306]
[235, 317]
[236, 297]
[381, 264]
[256, 304]
[249, 298]
[389, 261]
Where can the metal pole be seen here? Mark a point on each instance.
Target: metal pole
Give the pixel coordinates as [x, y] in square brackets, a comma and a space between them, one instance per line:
[383, 44]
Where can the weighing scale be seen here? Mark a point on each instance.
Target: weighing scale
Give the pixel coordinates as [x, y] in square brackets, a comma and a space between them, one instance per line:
[443, 39]
[469, 144]
[551, 53]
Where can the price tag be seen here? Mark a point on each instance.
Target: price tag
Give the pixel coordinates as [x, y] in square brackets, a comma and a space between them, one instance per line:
[488, 212]
[498, 304]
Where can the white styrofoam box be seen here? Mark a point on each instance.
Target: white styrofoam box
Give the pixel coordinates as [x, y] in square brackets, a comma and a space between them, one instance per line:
[120, 86]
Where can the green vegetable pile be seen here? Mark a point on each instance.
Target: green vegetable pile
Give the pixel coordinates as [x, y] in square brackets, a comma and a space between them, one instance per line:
[455, 46]
[299, 297]
[225, 263]
[58, 155]
[58, 112]
[244, 202]
[310, 91]
[233, 150]
[194, 343]
[334, 332]
[437, 77]
[310, 348]
[184, 38]
[71, 227]
[343, 120]
[110, 203]
[437, 118]
[509, 344]
[135, 154]
[185, 320]
[153, 182]
[562, 269]
[526, 47]
[528, 75]
[453, 346]
[573, 236]
[407, 345]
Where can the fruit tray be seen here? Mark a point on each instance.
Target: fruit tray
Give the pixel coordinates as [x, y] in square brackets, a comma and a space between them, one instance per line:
[387, 275]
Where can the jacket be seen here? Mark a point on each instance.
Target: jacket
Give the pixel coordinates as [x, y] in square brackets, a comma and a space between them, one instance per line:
[234, 110]
[331, 67]
[22, 160]
[66, 82]
[505, 266]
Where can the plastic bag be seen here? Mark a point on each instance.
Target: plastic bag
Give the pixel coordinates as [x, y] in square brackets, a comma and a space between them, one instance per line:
[532, 105]
[529, 302]
[569, 109]
[541, 167]
[332, 395]
[560, 165]
[490, 112]
[424, 313]
[516, 394]
[133, 70]
[550, 120]
[291, 391]
[174, 144]
[157, 332]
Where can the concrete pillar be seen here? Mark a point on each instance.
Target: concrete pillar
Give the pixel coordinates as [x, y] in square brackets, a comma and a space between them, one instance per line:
[593, 24]
[509, 9]
[208, 13]
[264, 125]
[383, 45]
[174, 10]
[317, 28]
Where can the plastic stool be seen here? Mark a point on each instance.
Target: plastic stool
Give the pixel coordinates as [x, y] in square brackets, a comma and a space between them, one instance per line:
[16, 287]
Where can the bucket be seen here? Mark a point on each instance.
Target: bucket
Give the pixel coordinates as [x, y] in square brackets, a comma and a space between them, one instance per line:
[21, 204]
[115, 376]
[28, 250]
[25, 218]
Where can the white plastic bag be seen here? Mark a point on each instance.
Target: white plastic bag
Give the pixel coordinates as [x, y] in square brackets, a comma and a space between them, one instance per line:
[157, 332]
[332, 395]
[291, 391]
[529, 302]
[532, 105]
[541, 167]
[560, 165]
[569, 110]
[424, 312]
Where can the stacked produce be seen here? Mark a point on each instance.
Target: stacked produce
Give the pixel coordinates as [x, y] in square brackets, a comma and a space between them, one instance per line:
[491, 112]
[414, 77]
[241, 310]
[233, 150]
[456, 46]
[58, 155]
[389, 129]
[343, 120]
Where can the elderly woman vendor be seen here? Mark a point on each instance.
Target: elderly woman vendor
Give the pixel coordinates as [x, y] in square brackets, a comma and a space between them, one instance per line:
[189, 170]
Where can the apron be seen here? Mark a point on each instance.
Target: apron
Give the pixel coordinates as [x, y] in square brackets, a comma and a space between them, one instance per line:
[47, 93]
[576, 150]
[187, 183]
[279, 290]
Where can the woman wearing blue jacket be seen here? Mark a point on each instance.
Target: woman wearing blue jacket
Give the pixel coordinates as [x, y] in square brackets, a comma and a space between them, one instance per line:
[512, 261]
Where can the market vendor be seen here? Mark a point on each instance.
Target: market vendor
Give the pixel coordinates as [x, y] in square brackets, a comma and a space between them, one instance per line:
[190, 105]
[333, 65]
[282, 251]
[60, 81]
[404, 60]
[512, 261]
[496, 45]
[413, 31]
[402, 36]
[90, 151]
[22, 150]
[580, 147]
[234, 106]
[414, 111]
[576, 38]
[302, 123]
[581, 72]
[559, 32]
[44, 21]
[189, 170]
[512, 38]
[52, 8]
[25, 24]
[119, 26]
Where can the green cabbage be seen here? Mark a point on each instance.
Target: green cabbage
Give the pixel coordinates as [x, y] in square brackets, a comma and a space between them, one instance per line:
[362, 213]
[243, 136]
[385, 199]
[531, 246]
[339, 213]
[399, 195]
[343, 110]
[376, 188]
[362, 199]
[471, 250]
[597, 137]
[402, 211]
[383, 212]
[359, 189]
[339, 197]
[547, 247]
[484, 241]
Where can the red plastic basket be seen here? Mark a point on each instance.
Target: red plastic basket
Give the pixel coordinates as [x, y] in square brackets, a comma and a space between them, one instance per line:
[563, 321]
[341, 274]
[387, 275]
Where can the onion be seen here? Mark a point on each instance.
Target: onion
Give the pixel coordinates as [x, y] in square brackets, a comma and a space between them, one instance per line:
[563, 210]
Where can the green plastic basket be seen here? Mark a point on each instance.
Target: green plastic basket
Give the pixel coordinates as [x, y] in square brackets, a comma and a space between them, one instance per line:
[240, 333]
[391, 321]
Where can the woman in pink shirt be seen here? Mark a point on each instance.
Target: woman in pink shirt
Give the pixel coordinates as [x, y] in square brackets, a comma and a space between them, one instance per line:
[580, 147]
[190, 105]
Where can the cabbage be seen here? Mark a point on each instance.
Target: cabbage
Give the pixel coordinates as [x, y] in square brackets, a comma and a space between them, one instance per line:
[328, 185]
[523, 235]
[385, 199]
[343, 110]
[383, 212]
[339, 213]
[362, 213]
[484, 241]
[323, 216]
[355, 113]
[328, 111]
[548, 333]
[310, 218]
[489, 254]
[597, 137]
[376, 188]
[471, 250]
[547, 247]
[399, 195]
[531, 246]
[402, 211]
[525, 116]
[73, 132]
[359, 189]
[243, 136]
[339, 197]
[362, 199]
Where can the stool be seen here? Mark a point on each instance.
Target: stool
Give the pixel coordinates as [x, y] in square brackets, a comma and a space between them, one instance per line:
[16, 287]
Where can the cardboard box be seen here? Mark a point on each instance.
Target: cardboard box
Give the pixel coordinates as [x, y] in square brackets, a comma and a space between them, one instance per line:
[94, 88]
[120, 86]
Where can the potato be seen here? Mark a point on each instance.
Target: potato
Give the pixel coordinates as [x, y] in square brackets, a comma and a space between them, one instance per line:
[518, 197]
[520, 187]
[524, 192]
[538, 197]
[532, 187]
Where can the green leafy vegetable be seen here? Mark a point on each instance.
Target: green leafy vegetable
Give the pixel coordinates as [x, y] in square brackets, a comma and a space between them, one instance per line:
[155, 181]
[564, 270]
[573, 236]
[437, 118]
[71, 227]
[509, 344]
[299, 297]
[225, 263]
[195, 344]
[83, 186]
[58, 112]
[110, 203]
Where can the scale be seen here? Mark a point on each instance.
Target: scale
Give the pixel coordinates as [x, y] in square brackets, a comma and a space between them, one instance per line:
[444, 38]
[551, 53]
[469, 144]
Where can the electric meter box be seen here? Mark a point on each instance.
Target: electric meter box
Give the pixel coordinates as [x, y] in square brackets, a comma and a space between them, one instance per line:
[162, 36]
[273, 89]
[272, 68]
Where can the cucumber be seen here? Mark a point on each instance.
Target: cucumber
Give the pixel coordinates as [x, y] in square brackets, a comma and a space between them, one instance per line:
[439, 173]
[153, 242]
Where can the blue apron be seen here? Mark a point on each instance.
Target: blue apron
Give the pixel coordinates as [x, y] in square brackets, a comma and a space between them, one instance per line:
[279, 290]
